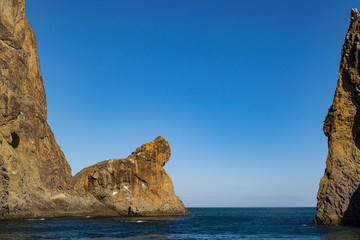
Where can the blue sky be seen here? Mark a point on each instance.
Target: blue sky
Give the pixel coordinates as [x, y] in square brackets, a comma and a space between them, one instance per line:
[239, 88]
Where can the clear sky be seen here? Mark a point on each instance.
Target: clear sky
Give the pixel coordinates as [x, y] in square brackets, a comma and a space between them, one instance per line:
[239, 88]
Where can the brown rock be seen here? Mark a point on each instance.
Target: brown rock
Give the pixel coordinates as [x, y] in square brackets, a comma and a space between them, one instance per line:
[339, 192]
[137, 185]
[31, 163]
[35, 178]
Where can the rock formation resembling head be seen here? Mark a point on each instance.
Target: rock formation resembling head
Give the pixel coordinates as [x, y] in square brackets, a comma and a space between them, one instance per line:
[136, 185]
[158, 150]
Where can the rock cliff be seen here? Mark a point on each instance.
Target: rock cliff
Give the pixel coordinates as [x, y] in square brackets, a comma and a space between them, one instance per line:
[35, 178]
[31, 162]
[338, 200]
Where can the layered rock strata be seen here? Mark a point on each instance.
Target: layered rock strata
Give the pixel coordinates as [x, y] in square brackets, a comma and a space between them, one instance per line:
[338, 200]
[35, 178]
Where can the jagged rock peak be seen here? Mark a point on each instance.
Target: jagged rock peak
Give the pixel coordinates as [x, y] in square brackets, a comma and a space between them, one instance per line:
[355, 13]
[338, 200]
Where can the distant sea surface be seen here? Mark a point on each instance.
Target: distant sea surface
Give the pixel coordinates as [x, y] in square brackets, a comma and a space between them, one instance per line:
[207, 223]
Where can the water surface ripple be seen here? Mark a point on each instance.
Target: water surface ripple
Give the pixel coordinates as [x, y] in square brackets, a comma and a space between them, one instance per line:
[207, 223]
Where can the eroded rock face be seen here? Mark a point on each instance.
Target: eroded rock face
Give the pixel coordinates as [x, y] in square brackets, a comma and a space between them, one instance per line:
[136, 185]
[31, 163]
[35, 178]
[339, 192]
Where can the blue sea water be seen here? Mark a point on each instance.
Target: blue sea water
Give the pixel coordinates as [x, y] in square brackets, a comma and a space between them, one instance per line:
[207, 223]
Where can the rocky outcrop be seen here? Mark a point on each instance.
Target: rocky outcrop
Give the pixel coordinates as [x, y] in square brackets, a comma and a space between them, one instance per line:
[31, 162]
[132, 186]
[338, 200]
[135, 186]
[35, 178]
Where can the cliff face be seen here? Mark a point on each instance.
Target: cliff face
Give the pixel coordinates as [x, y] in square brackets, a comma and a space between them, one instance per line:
[31, 162]
[35, 178]
[339, 193]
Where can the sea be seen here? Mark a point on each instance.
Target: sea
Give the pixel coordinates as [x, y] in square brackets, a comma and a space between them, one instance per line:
[206, 223]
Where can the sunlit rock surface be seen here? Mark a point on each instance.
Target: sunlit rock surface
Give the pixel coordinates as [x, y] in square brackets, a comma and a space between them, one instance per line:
[135, 185]
[32, 165]
[35, 178]
[339, 193]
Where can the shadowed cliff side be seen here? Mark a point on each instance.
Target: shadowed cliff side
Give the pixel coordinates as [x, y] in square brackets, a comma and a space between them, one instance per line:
[35, 178]
[338, 197]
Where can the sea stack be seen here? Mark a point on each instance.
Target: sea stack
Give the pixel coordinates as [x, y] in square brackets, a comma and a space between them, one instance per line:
[338, 200]
[35, 178]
